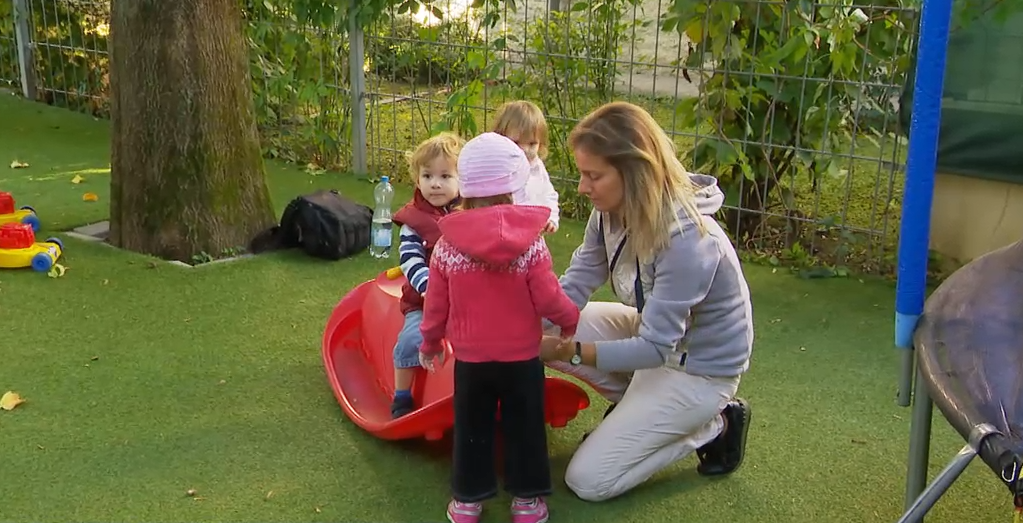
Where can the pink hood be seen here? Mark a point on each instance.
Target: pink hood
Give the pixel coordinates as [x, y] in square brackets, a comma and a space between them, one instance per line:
[496, 235]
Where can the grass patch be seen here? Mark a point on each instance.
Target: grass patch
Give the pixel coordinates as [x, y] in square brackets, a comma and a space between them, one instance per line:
[145, 380]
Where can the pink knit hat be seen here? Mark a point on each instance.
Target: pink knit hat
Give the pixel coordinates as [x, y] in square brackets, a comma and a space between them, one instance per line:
[489, 165]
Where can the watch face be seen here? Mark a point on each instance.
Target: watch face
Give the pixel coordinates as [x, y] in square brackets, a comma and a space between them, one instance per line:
[576, 359]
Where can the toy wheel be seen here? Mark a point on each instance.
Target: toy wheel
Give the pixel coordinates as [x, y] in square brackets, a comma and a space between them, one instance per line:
[31, 220]
[42, 262]
[57, 241]
[28, 208]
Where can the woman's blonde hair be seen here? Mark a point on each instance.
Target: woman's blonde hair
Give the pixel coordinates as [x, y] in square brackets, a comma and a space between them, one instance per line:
[444, 144]
[523, 118]
[654, 181]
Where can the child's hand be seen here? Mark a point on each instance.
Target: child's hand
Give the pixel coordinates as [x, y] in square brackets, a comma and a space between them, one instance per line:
[550, 227]
[430, 362]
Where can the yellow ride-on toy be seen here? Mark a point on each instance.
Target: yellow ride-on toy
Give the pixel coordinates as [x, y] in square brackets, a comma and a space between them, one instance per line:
[19, 249]
[8, 214]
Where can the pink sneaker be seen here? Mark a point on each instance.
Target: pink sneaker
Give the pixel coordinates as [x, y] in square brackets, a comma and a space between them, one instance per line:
[532, 510]
[459, 512]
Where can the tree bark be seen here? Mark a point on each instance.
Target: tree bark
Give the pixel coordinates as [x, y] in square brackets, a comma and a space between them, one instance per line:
[186, 173]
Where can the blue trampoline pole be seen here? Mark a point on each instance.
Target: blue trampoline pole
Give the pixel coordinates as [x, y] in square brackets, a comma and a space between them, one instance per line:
[914, 237]
[921, 161]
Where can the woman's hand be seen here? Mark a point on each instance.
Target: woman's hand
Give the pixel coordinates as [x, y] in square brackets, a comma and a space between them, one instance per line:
[553, 348]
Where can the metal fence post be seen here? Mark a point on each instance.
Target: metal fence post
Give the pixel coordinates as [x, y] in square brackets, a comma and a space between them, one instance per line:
[357, 84]
[23, 36]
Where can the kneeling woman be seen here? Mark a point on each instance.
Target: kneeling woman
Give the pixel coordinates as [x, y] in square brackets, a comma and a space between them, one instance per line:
[668, 356]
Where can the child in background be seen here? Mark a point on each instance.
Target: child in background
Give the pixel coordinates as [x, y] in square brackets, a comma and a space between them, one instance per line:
[523, 123]
[434, 167]
[491, 282]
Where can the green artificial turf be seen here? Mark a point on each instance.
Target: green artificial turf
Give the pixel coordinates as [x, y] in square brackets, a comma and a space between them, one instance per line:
[144, 380]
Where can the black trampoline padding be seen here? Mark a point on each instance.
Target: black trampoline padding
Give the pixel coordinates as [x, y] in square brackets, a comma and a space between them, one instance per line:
[969, 345]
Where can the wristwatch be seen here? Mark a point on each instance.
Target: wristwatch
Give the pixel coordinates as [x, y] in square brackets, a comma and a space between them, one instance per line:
[577, 358]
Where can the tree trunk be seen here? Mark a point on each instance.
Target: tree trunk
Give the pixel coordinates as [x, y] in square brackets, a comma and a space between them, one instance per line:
[186, 173]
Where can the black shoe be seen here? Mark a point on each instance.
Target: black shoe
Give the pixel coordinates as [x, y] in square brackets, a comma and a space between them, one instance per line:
[724, 454]
[401, 407]
[606, 412]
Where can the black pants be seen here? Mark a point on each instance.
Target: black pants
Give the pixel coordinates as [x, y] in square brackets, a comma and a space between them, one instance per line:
[518, 387]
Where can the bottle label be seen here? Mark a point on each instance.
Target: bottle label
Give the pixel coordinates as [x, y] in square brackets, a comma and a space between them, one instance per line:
[382, 238]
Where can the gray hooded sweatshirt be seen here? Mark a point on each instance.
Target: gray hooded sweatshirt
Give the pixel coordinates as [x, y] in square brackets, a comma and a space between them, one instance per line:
[695, 297]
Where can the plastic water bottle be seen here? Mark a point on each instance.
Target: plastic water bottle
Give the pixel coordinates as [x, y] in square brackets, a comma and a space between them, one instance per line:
[380, 234]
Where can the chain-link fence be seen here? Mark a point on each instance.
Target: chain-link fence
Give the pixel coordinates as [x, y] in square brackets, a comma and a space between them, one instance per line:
[792, 105]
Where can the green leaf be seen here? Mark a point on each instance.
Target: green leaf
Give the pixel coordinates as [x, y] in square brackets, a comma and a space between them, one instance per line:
[775, 58]
[788, 198]
[686, 111]
[694, 31]
[670, 24]
[725, 153]
[475, 59]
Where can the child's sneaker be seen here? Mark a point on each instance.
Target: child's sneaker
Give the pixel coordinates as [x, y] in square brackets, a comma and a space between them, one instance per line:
[529, 510]
[401, 406]
[459, 512]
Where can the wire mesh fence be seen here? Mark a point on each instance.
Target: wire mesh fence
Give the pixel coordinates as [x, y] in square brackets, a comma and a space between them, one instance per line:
[792, 105]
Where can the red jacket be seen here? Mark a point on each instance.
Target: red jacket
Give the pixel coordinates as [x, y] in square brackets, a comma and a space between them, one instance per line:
[491, 285]
[423, 217]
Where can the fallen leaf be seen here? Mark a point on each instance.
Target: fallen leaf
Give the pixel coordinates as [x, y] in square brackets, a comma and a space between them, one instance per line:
[94, 358]
[222, 382]
[317, 510]
[10, 399]
[18, 165]
[40, 447]
[77, 179]
[90, 197]
[191, 492]
[268, 495]
[106, 282]
[56, 271]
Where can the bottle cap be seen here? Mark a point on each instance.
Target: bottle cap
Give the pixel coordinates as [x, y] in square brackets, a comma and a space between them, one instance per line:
[385, 178]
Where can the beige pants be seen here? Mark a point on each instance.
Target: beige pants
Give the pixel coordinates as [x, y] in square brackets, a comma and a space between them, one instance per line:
[663, 414]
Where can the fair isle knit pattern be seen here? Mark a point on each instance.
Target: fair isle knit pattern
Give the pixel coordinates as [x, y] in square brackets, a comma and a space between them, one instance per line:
[450, 260]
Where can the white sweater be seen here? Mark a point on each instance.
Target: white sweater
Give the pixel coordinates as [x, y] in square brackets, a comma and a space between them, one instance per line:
[539, 190]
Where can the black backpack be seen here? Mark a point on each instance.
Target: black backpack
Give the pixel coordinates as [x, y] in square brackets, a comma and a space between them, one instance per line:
[324, 224]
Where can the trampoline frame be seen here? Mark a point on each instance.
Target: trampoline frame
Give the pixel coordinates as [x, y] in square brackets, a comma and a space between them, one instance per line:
[920, 496]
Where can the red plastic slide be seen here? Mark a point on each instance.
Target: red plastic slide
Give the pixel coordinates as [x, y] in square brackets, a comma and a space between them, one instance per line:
[357, 353]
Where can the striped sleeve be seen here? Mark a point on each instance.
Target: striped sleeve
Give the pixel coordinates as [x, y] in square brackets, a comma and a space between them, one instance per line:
[412, 256]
